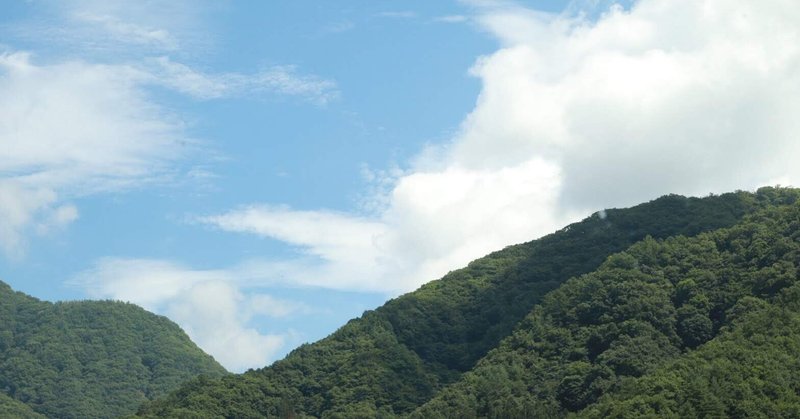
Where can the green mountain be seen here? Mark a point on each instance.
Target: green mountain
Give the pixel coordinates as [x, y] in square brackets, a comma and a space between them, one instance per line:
[89, 359]
[512, 335]
[684, 327]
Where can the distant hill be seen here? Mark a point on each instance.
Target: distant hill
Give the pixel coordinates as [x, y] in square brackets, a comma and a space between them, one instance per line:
[89, 359]
[512, 334]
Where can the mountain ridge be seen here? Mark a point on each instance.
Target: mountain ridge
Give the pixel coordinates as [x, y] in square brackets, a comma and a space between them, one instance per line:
[396, 358]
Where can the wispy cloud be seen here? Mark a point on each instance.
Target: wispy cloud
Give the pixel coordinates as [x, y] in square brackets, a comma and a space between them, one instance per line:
[23, 209]
[210, 305]
[115, 28]
[79, 126]
[280, 80]
[74, 129]
[451, 19]
[339, 27]
[328, 238]
[124, 32]
[398, 14]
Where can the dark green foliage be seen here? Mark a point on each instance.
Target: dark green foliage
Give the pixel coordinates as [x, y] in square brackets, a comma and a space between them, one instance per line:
[749, 370]
[394, 359]
[360, 371]
[13, 409]
[90, 359]
[625, 334]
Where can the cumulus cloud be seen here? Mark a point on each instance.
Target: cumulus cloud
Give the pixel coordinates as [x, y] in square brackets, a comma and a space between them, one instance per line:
[669, 96]
[578, 111]
[209, 305]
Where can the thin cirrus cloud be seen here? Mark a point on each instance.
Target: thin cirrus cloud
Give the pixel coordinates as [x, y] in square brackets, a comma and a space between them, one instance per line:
[208, 304]
[115, 28]
[279, 80]
[451, 19]
[575, 114]
[398, 14]
[121, 31]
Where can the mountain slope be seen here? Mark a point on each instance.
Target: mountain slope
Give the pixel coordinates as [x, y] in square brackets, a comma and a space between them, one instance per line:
[395, 358]
[750, 370]
[688, 315]
[92, 358]
[10, 408]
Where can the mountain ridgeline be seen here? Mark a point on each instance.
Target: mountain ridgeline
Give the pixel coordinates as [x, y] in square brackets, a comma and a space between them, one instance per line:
[676, 307]
[89, 359]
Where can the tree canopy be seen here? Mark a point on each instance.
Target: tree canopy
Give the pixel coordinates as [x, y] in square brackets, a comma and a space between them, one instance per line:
[89, 359]
[681, 327]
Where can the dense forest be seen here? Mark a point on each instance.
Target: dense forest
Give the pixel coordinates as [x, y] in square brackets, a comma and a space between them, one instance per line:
[656, 297]
[89, 359]
[683, 327]
[11, 408]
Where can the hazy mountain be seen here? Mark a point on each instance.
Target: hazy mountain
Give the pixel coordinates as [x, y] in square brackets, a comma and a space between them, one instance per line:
[89, 359]
[511, 334]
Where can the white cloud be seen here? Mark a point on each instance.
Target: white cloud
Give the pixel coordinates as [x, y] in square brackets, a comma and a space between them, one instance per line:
[671, 96]
[69, 130]
[680, 96]
[75, 128]
[342, 249]
[18, 208]
[58, 217]
[210, 305]
[436, 221]
[53, 132]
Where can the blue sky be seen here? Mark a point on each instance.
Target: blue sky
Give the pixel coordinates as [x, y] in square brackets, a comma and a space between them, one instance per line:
[263, 146]
[260, 172]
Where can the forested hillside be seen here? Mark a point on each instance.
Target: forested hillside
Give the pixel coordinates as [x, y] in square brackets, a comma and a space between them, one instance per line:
[685, 327]
[89, 359]
[560, 359]
[11, 408]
